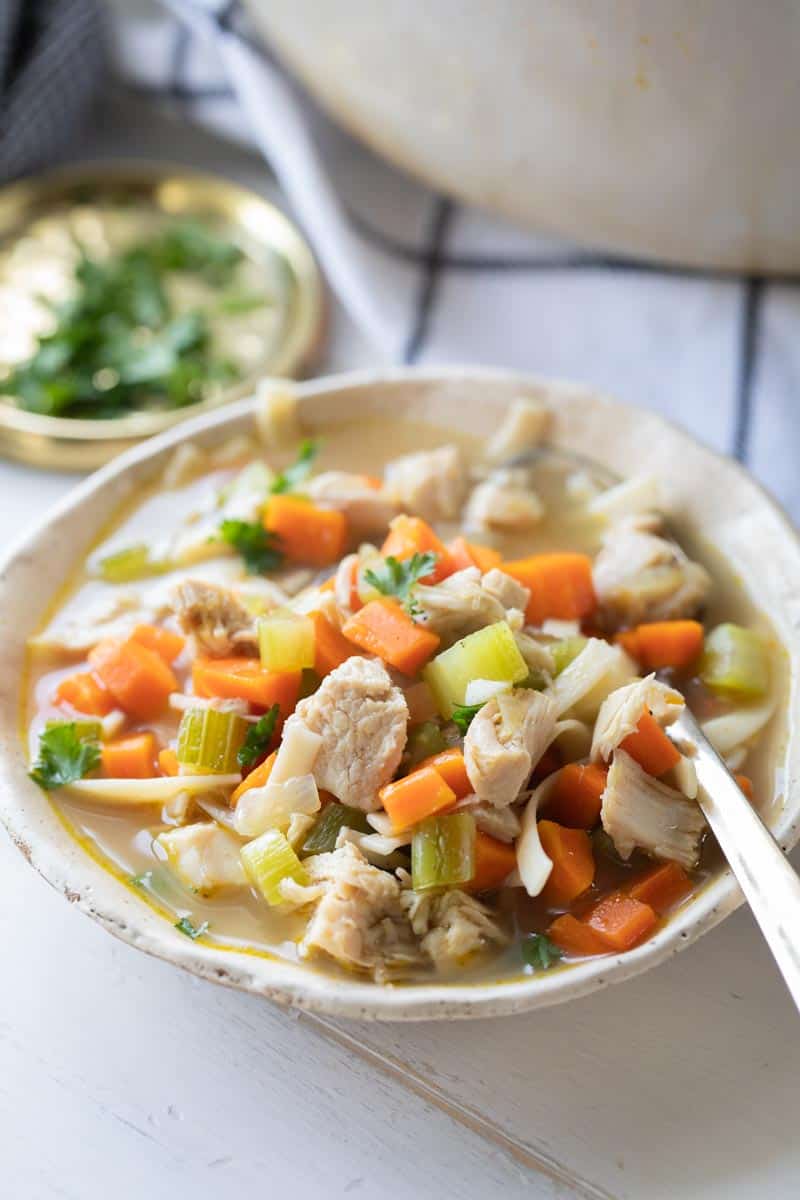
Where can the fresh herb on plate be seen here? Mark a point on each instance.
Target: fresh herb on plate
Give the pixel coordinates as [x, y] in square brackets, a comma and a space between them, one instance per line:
[289, 479]
[142, 881]
[65, 755]
[259, 548]
[539, 952]
[399, 578]
[191, 931]
[258, 737]
[463, 714]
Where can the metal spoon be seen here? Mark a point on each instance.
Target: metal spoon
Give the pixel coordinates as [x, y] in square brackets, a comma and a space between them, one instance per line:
[770, 884]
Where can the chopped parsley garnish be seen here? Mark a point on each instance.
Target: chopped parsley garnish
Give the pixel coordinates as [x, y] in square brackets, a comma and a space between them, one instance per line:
[464, 713]
[399, 578]
[65, 755]
[539, 952]
[142, 881]
[258, 737]
[259, 548]
[289, 479]
[191, 931]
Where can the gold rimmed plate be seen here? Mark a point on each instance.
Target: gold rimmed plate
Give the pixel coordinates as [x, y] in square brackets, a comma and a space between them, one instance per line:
[104, 206]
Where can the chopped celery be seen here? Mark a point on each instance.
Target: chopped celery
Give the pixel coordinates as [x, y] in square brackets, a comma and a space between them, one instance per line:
[267, 861]
[323, 834]
[565, 651]
[126, 566]
[422, 742]
[491, 653]
[287, 641]
[735, 662]
[210, 740]
[443, 852]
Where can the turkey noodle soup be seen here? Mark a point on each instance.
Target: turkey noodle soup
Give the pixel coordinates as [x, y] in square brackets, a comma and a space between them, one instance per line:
[397, 704]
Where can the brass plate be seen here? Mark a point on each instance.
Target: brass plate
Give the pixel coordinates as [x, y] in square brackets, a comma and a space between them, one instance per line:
[46, 207]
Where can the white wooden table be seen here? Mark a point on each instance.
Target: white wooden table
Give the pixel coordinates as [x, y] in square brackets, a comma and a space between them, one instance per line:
[120, 1076]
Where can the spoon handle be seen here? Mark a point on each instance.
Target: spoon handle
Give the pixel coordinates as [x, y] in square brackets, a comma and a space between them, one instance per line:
[770, 884]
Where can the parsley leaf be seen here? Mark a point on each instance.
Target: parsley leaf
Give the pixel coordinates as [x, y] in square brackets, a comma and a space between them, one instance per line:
[258, 547]
[463, 714]
[258, 737]
[539, 952]
[191, 931]
[288, 480]
[396, 578]
[64, 756]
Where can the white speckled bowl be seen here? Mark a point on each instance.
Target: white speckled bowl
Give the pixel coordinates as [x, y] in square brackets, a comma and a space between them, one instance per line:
[706, 492]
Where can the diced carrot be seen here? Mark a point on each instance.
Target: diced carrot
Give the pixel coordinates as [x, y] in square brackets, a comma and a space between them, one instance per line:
[573, 862]
[661, 887]
[465, 554]
[331, 647]
[621, 921]
[660, 644]
[383, 628]
[494, 862]
[576, 938]
[307, 534]
[138, 679]
[415, 797]
[745, 783]
[165, 642]
[130, 757]
[547, 764]
[452, 768]
[560, 585]
[256, 778]
[168, 761]
[246, 679]
[85, 693]
[411, 535]
[629, 640]
[577, 795]
[651, 747]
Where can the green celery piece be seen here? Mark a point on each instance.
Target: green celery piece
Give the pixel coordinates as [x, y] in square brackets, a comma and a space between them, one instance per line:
[322, 835]
[286, 641]
[443, 852]
[210, 740]
[423, 741]
[735, 663]
[267, 861]
[566, 651]
[130, 564]
[490, 653]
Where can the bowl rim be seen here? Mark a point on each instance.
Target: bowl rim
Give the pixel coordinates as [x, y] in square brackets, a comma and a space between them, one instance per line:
[302, 985]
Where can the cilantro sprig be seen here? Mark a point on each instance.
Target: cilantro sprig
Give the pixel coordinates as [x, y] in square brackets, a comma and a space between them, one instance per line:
[65, 755]
[463, 715]
[259, 548]
[399, 578]
[191, 931]
[292, 476]
[539, 952]
[258, 737]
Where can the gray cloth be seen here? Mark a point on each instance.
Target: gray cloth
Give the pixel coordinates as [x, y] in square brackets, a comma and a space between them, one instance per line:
[52, 58]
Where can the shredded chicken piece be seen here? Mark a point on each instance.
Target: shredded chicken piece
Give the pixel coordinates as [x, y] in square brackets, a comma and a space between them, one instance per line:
[506, 589]
[458, 605]
[621, 712]
[639, 810]
[359, 919]
[361, 717]
[204, 856]
[504, 501]
[523, 428]
[640, 575]
[368, 509]
[500, 823]
[505, 741]
[453, 926]
[536, 654]
[430, 483]
[221, 625]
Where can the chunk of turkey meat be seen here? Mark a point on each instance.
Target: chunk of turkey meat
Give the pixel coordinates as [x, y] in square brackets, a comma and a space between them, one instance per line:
[505, 741]
[361, 717]
[368, 510]
[205, 857]
[430, 483]
[639, 575]
[359, 920]
[639, 811]
[220, 624]
[504, 501]
[621, 712]
[458, 605]
[453, 926]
